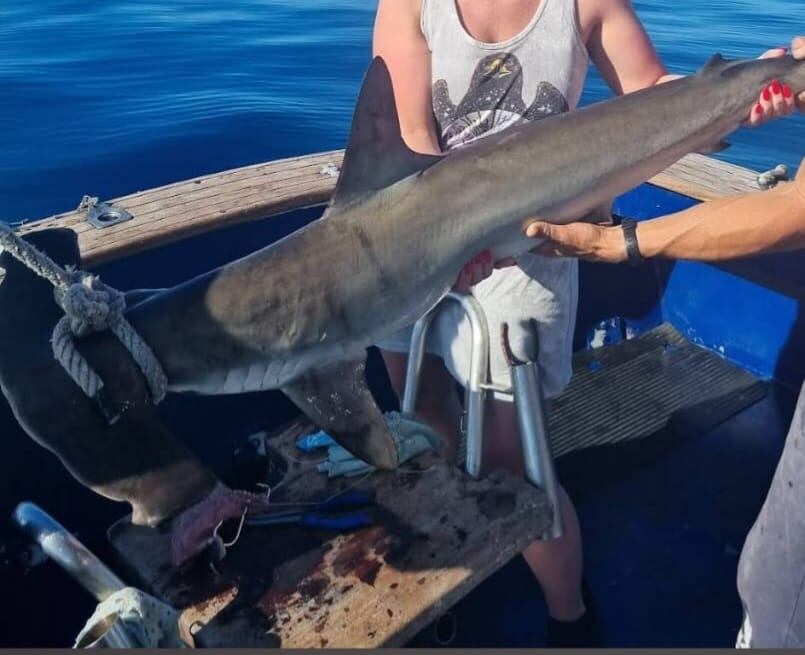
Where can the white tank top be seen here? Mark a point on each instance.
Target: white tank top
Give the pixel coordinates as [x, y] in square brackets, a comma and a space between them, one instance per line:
[482, 88]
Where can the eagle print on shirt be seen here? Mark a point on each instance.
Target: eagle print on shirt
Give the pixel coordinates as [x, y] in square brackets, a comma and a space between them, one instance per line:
[493, 102]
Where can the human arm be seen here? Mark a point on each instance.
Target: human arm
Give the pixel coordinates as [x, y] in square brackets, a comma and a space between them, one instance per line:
[726, 228]
[619, 46]
[623, 53]
[399, 40]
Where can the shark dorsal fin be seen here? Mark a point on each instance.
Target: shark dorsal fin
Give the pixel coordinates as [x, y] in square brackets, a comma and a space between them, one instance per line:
[376, 155]
[714, 64]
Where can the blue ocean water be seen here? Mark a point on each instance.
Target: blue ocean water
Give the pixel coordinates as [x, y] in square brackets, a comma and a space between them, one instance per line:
[105, 97]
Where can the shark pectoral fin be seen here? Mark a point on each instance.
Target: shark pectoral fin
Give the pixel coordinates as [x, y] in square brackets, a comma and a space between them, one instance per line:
[337, 399]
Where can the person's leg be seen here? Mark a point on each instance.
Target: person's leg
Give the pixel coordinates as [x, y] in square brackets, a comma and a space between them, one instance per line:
[556, 563]
[437, 403]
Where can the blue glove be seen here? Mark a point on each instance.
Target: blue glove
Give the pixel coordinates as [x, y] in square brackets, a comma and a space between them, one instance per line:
[410, 436]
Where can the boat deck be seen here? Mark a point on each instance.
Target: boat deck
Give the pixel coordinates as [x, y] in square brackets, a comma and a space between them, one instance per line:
[663, 522]
[382, 585]
[663, 518]
[438, 534]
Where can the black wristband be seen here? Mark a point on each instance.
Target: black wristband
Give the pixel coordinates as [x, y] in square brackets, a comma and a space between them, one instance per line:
[632, 248]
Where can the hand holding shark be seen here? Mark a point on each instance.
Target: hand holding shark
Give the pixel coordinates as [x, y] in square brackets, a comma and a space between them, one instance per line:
[777, 99]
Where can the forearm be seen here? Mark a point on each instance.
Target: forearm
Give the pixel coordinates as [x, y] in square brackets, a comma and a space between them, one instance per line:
[728, 228]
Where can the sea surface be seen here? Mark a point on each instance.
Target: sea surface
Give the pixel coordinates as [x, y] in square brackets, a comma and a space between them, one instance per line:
[106, 97]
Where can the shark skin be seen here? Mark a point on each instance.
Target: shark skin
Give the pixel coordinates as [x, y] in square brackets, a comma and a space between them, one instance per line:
[299, 314]
[136, 459]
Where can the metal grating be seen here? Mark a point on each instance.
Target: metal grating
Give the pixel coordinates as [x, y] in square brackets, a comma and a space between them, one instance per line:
[633, 389]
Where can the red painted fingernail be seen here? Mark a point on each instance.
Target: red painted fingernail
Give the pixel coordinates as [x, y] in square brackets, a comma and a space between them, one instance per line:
[766, 95]
[759, 110]
[787, 93]
[776, 88]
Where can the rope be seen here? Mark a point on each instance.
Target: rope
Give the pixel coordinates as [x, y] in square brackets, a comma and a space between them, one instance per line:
[89, 306]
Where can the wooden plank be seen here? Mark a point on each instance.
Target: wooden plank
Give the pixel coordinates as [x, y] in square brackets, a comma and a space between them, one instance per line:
[438, 534]
[184, 209]
[176, 211]
[705, 178]
[176, 199]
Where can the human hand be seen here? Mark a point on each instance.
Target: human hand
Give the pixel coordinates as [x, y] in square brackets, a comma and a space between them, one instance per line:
[777, 99]
[479, 268]
[594, 243]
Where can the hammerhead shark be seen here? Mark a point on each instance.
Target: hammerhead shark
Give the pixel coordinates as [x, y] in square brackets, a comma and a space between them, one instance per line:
[299, 314]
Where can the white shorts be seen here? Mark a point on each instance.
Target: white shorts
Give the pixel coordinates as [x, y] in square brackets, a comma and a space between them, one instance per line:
[542, 288]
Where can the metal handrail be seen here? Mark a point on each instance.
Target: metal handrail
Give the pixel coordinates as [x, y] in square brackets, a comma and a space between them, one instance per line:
[72, 556]
[526, 389]
[475, 391]
[532, 417]
[67, 551]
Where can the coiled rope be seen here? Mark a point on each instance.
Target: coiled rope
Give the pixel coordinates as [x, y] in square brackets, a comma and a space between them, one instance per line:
[89, 306]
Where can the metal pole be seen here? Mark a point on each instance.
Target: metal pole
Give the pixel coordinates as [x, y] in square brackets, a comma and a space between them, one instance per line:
[67, 551]
[416, 353]
[72, 556]
[528, 398]
[534, 432]
[474, 393]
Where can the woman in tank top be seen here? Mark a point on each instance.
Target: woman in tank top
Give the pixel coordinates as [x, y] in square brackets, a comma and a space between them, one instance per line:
[464, 69]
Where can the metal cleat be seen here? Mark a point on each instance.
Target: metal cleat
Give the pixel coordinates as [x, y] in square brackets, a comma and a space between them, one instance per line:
[769, 179]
